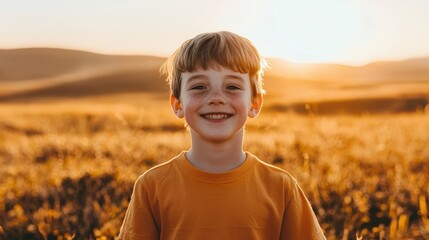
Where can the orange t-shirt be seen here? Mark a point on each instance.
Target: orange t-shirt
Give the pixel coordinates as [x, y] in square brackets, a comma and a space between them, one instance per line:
[176, 200]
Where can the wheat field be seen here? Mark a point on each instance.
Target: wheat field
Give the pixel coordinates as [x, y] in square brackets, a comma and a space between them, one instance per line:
[67, 171]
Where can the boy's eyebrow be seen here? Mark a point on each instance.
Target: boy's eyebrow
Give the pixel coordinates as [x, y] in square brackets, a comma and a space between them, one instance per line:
[198, 76]
[234, 77]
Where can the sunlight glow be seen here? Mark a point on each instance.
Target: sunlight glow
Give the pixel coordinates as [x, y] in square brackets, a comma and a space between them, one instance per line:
[351, 32]
[313, 31]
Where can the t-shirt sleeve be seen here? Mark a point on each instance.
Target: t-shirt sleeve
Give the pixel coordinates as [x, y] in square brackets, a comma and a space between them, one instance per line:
[299, 220]
[139, 221]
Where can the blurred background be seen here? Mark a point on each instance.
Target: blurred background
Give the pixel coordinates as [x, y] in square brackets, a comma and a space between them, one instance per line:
[84, 110]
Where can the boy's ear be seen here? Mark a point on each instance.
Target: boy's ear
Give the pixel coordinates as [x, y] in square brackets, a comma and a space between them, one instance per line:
[255, 109]
[176, 105]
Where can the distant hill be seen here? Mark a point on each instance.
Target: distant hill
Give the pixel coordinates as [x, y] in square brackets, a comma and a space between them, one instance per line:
[33, 74]
[42, 63]
[45, 73]
[116, 83]
[416, 69]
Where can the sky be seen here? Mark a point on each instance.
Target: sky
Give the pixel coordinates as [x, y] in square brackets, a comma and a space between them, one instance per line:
[353, 32]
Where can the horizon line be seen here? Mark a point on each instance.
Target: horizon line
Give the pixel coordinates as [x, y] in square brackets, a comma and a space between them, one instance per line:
[125, 53]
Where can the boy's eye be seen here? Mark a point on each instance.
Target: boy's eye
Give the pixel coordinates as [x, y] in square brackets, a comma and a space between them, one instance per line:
[233, 87]
[198, 87]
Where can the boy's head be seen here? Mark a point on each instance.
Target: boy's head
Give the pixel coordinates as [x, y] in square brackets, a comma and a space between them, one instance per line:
[211, 50]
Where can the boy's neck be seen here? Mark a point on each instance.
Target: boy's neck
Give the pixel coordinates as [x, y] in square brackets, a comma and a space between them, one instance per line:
[216, 157]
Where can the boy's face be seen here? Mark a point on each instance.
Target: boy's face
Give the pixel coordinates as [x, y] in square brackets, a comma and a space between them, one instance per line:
[216, 103]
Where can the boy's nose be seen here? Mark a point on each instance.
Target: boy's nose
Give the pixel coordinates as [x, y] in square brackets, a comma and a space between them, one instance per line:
[216, 97]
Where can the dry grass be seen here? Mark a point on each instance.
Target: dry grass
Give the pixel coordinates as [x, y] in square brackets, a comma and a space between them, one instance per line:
[68, 171]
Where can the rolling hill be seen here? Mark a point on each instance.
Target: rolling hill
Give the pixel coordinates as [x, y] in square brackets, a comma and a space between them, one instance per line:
[35, 74]
[42, 63]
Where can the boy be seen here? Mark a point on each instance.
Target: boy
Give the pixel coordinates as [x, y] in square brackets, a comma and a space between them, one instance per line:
[215, 190]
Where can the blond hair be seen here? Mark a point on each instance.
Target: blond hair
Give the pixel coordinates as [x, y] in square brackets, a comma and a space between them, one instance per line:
[211, 50]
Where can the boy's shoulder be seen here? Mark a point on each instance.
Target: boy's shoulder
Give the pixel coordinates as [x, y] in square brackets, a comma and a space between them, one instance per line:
[157, 171]
[272, 170]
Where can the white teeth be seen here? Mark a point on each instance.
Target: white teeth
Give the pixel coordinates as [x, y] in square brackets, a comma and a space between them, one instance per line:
[216, 116]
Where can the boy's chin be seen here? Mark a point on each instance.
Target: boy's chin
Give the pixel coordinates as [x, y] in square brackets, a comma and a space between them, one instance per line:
[220, 137]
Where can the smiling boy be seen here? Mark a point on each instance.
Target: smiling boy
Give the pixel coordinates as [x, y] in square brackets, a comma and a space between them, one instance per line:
[216, 190]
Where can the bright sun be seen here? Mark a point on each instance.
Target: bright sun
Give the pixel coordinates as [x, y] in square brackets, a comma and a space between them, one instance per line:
[314, 32]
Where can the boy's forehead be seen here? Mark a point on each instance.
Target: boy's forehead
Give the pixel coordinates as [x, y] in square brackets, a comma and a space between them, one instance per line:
[218, 70]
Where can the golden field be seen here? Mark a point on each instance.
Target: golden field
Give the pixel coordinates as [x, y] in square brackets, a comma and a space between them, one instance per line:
[74, 139]
[70, 172]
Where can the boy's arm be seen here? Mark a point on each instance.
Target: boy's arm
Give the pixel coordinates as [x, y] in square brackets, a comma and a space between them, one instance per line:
[299, 220]
[139, 222]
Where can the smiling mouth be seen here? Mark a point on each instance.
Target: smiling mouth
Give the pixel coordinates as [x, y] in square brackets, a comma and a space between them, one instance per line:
[216, 116]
